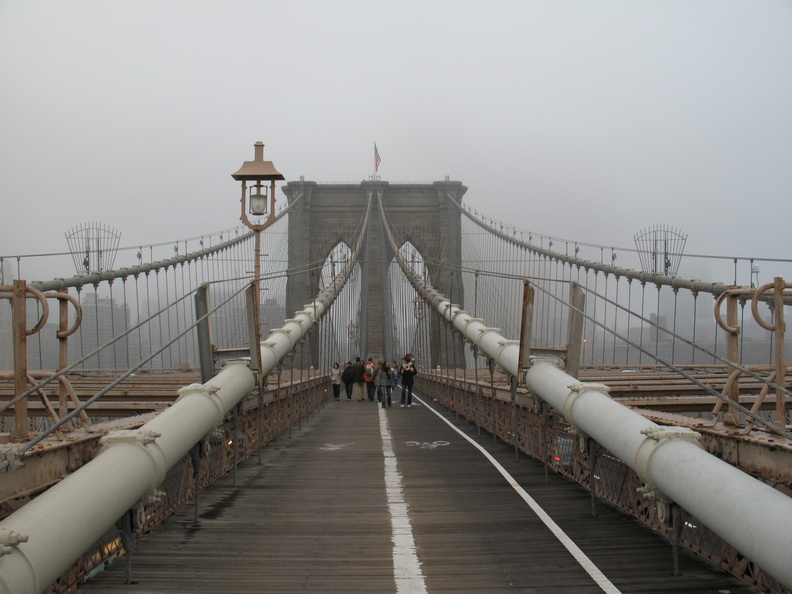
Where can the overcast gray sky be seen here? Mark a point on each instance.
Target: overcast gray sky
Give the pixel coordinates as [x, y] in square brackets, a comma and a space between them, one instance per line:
[587, 120]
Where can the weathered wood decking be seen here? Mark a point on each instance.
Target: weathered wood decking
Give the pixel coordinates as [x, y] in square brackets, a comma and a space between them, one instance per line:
[313, 517]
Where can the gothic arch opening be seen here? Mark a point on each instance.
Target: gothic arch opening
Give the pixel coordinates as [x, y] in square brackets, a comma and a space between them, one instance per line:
[339, 332]
[411, 316]
[321, 215]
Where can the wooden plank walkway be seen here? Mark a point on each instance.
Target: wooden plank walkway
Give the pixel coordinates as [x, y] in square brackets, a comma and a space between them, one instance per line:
[314, 517]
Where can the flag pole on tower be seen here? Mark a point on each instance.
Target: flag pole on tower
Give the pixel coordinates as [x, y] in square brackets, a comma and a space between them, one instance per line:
[377, 159]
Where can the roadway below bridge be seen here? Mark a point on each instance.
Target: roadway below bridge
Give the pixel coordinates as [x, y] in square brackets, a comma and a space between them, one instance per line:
[362, 499]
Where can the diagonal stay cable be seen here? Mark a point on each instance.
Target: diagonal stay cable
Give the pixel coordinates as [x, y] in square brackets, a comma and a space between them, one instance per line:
[121, 378]
[702, 349]
[5, 406]
[671, 333]
[680, 371]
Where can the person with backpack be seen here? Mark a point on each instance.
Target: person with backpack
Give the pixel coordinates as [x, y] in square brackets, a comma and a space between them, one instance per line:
[368, 375]
[347, 379]
[384, 383]
[407, 371]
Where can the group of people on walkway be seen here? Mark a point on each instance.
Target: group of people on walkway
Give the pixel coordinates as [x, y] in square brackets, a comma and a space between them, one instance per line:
[365, 380]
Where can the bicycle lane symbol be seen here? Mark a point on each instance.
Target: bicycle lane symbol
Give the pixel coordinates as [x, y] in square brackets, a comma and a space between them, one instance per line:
[426, 445]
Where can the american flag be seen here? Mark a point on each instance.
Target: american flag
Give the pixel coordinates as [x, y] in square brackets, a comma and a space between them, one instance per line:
[377, 159]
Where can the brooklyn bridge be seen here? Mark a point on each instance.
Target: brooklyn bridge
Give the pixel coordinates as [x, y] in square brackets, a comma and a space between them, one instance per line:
[585, 417]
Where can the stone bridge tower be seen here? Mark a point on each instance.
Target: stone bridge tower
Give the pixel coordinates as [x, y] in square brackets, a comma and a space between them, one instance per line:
[422, 214]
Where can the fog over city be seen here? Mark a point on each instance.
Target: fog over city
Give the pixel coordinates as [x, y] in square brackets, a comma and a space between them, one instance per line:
[581, 120]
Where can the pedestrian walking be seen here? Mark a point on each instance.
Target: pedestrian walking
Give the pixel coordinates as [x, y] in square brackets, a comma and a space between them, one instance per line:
[407, 371]
[384, 383]
[358, 389]
[368, 375]
[347, 379]
[335, 380]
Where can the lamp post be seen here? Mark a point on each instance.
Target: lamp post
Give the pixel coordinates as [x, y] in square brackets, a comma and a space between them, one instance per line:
[257, 171]
[352, 335]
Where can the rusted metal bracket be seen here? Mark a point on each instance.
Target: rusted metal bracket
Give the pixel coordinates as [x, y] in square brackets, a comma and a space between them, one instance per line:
[779, 291]
[204, 333]
[18, 293]
[732, 329]
[776, 293]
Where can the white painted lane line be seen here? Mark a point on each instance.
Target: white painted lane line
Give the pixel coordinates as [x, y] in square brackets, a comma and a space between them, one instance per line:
[406, 566]
[562, 537]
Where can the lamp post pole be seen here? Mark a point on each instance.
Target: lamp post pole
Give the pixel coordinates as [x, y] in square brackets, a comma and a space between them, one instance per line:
[257, 171]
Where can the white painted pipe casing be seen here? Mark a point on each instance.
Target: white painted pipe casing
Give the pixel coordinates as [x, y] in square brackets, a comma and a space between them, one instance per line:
[748, 514]
[66, 520]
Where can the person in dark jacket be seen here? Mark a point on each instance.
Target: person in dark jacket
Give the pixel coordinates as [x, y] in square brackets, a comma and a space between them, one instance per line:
[369, 373]
[407, 371]
[358, 387]
[384, 379]
[347, 379]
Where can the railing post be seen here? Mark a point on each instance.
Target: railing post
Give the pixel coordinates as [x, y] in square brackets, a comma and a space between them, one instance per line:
[300, 396]
[494, 426]
[124, 523]
[544, 416]
[575, 330]
[513, 387]
[455, 390]
[291, 393]
[526, 327]
[676, 536]
[63, 353]
[260, 432]
[204, 333]
[236, 436]
[19, 305]
[279, 370]
[593, 454]
[478, 391]
[197, 462]
[733, 355]
[254, 330]
[780, 327]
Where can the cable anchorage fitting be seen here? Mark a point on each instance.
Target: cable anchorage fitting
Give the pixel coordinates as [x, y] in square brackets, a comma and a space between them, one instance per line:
[656, 437]
[575, 390]
[9, 539]
[522, 374]
[142, 437]
[12, 538]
